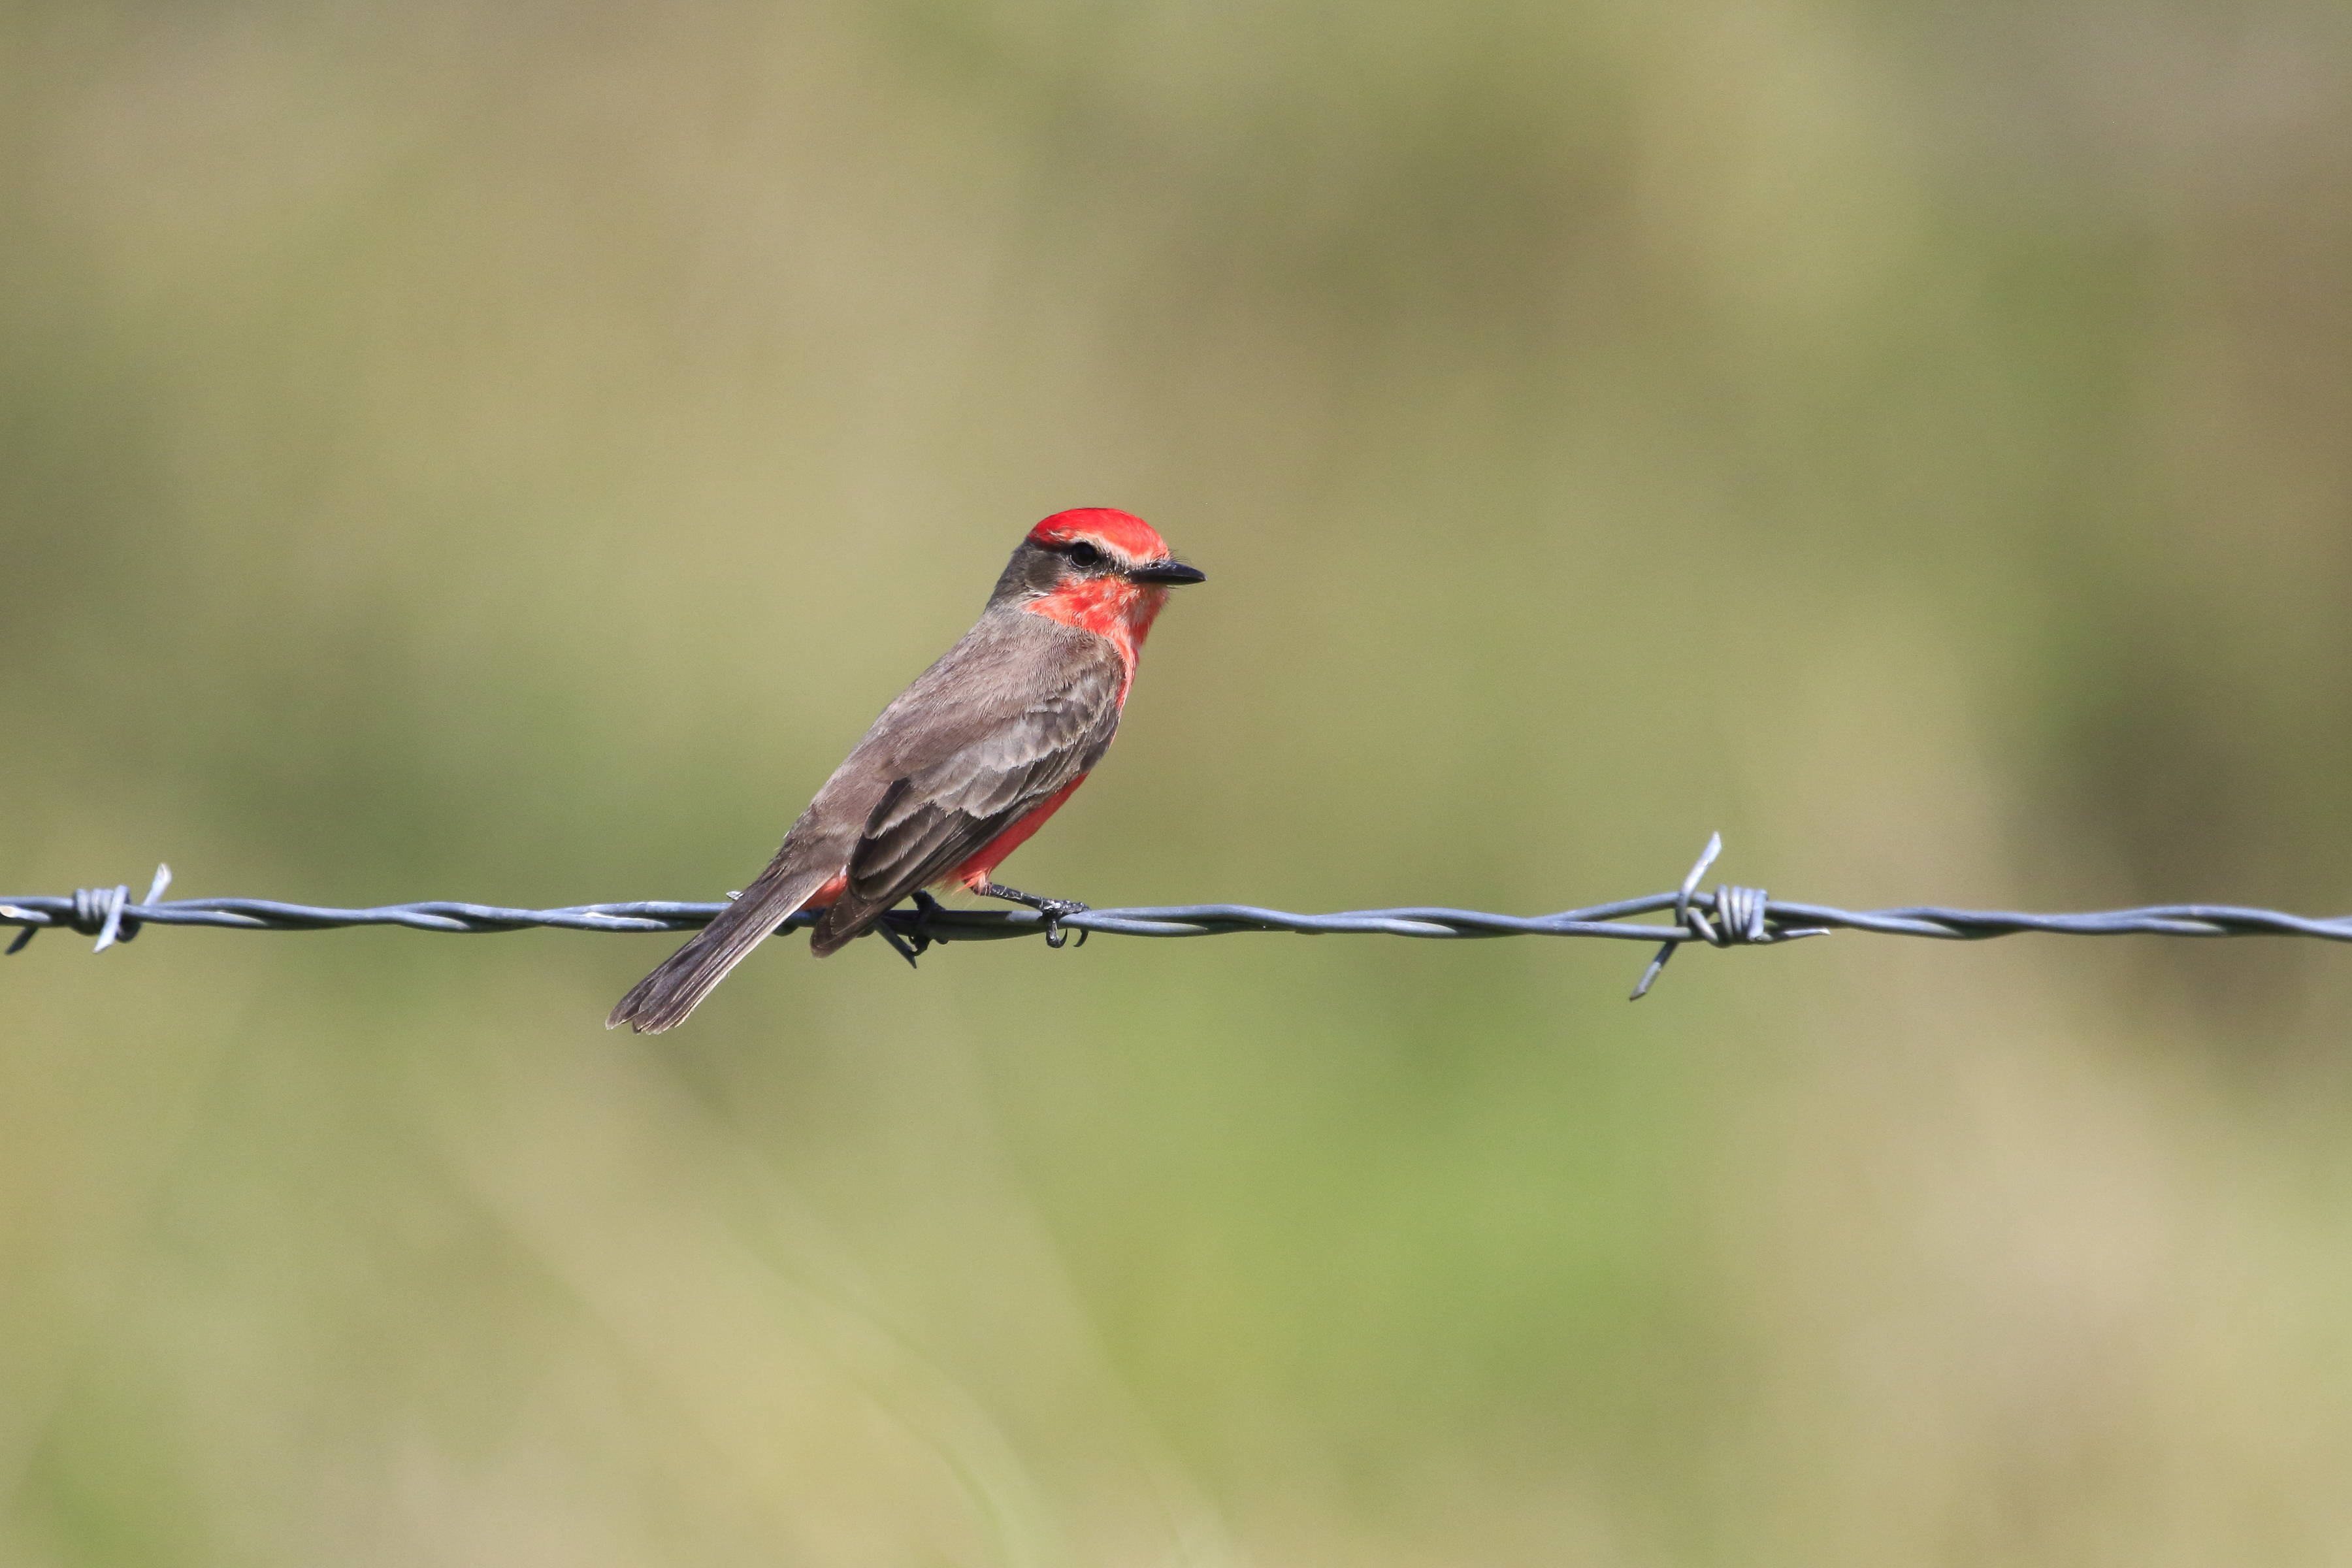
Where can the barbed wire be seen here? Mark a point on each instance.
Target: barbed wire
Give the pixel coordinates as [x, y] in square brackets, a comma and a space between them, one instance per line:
[1728, 917]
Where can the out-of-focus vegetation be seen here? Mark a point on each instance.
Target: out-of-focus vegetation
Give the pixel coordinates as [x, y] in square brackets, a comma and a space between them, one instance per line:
[509, 452]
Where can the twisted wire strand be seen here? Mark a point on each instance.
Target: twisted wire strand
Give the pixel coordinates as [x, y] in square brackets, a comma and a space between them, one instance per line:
[74, 913]
[1728, 917]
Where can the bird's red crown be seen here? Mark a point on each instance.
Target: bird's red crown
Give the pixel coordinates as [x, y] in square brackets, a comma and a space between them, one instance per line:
[1123, 532]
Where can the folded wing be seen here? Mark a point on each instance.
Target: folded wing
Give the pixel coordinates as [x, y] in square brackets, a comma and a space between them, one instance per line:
[937, 813]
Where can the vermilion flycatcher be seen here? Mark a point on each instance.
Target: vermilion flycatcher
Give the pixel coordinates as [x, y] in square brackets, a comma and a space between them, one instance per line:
[966, 763]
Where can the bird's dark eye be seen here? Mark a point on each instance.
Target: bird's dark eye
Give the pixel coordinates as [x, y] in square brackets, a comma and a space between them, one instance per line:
[1083, 554]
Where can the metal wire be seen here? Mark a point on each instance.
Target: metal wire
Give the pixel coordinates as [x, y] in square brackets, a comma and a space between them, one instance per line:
[1728, 917]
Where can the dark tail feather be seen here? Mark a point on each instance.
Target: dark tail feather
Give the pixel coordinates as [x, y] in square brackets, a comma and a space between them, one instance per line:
[663, 999]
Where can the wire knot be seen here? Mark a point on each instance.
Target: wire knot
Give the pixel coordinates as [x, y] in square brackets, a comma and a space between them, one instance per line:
[1743, 918]
[100, 912]
[90, 907]
[1739, 919]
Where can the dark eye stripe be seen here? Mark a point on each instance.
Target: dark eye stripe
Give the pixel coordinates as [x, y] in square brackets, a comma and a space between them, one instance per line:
[1084, 554]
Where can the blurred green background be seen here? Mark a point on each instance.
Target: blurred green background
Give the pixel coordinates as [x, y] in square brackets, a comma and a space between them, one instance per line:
[509, 452]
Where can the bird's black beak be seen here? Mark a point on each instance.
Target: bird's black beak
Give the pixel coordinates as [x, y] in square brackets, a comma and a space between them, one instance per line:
[1169, 573]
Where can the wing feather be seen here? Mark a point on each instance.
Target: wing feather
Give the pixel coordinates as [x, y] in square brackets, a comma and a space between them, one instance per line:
[934, 817]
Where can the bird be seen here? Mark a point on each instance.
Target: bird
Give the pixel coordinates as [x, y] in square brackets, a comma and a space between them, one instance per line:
[963, 766]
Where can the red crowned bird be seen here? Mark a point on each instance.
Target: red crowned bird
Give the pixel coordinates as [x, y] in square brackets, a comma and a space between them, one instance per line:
[964, 765]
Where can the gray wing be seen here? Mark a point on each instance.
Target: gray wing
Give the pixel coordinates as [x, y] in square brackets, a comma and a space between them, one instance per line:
[1027, 723]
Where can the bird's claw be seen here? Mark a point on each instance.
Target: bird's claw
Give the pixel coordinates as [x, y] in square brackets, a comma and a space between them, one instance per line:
[917, 941]
[898, 944]
[1055, 910]
[926, 907]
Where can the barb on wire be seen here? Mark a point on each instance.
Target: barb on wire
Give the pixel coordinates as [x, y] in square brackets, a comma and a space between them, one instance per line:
[1745, 917]
[1728, 917]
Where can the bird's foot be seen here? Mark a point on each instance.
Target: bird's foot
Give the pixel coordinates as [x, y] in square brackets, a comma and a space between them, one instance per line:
[898, 944]
[1056, 910]
[926, 907]
[918, 939]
